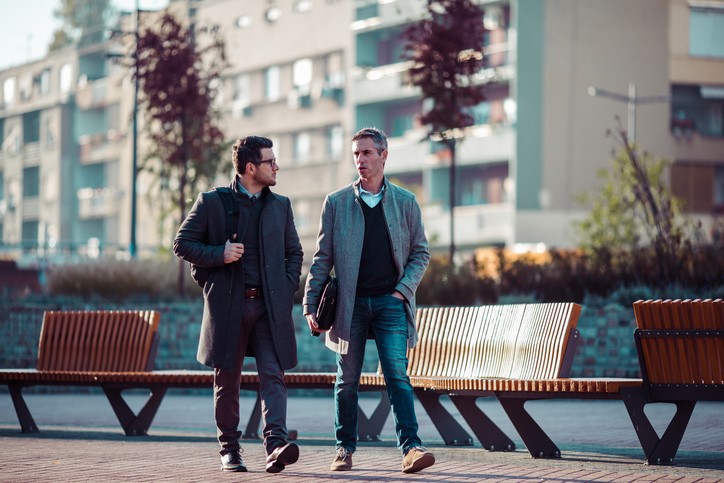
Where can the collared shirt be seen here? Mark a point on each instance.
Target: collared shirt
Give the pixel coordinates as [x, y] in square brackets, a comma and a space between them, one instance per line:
[371, 199]
[244, 191]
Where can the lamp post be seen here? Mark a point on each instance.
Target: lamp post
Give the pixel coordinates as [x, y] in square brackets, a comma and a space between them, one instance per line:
[632, 100]
[134, 136]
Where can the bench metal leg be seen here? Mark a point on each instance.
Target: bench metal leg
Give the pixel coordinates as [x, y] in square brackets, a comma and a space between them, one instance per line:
[451, 431]
[132, 424]
[369, 429]
[658, 450]
[27, 423]
[535, 439]
[488, 433]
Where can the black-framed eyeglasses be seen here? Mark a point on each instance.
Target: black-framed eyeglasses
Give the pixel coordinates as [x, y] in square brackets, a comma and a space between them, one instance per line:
[272, 162]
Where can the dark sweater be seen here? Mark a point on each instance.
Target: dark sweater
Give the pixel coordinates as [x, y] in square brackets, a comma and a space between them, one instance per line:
[377, 273]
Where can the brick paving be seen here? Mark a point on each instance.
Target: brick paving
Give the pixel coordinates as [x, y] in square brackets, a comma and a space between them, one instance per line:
[81, 441]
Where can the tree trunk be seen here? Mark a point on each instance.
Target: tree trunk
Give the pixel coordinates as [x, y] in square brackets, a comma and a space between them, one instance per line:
[451, 144]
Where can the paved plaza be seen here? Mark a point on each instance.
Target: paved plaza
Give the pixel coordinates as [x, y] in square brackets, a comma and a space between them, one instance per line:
[80, 440]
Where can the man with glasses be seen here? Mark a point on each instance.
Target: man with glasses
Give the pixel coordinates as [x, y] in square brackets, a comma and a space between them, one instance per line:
[251, 271]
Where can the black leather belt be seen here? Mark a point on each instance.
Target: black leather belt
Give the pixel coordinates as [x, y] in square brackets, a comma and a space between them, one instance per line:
[252, 292]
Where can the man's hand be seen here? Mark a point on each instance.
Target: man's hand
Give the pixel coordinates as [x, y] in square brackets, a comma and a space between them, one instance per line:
[233, 251]
[312, 323]
[398, 295]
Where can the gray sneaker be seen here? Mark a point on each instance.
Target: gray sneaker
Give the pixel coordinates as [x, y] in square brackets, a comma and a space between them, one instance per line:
[342, 461]
[232, 461]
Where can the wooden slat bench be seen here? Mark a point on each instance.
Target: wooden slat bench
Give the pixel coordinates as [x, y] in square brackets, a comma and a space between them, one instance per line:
[75, 346]
[515, 353]
[115, 350]
[680, 345]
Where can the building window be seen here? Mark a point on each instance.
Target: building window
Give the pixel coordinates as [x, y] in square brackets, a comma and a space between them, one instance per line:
[302, 147]
[31, 127]
[9, 92]
[697, 109]
[48, 134]
[113, 117]
[480, 113]
[302, 215]
[44, 81]
[26, 87]
[412, 182]
[31, 182]
[706, 32]
[271, 83]
[481, 184]
[302, 75]
[335, 142]
[66, 78]
[241, 94]
[30, 233]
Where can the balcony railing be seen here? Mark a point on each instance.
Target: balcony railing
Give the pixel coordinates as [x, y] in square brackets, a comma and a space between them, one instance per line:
[98, 202]
[100, 146]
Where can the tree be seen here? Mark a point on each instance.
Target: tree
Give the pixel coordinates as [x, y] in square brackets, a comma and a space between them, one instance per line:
[178, 76]
[446, 50]
[81, 19]
[634, 207]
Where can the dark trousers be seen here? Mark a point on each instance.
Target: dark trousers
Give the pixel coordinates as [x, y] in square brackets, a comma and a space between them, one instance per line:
[255, 332]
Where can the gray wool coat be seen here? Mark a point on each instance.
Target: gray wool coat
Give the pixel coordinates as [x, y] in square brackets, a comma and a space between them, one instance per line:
[200, 240]
[339, 247]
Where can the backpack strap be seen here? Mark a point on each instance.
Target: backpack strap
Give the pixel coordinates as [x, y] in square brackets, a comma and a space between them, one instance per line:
[231, 210]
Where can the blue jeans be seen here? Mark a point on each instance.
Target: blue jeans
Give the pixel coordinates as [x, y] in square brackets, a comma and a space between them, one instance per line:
[386, 317]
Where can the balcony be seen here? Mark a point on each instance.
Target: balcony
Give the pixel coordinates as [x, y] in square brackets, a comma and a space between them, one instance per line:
[383, 83]
[475, 226]
[31, 208]
[94, 148]
[31, 154]
[99, 93]
[98, 202]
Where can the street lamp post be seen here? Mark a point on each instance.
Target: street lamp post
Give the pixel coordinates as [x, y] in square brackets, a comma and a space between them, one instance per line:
[134, 135]
[632, 100]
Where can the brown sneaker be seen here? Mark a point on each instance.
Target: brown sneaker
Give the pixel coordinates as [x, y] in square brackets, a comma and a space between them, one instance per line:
[343, 460]
[417, 459]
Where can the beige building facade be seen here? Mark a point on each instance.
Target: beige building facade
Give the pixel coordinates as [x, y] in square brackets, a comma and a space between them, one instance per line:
[309, 73]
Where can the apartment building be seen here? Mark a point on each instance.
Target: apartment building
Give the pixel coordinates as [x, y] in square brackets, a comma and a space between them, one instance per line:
[696, 73]
[309, 73]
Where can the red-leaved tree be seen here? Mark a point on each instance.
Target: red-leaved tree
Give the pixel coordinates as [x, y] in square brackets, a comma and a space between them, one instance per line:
[446, 50]
[178, 68]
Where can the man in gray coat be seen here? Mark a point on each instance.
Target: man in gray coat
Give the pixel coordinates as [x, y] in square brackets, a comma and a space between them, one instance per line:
[371, 234]
[249, 275]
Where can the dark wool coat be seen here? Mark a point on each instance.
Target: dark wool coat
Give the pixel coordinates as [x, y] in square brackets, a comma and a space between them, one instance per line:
[200, 240]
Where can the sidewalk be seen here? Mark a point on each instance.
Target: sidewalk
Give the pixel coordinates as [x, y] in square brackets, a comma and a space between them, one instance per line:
[80, 440]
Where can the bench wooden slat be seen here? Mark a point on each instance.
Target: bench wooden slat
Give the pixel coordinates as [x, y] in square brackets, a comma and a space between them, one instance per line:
[680, 360]
[542, 340]
[96, 340]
